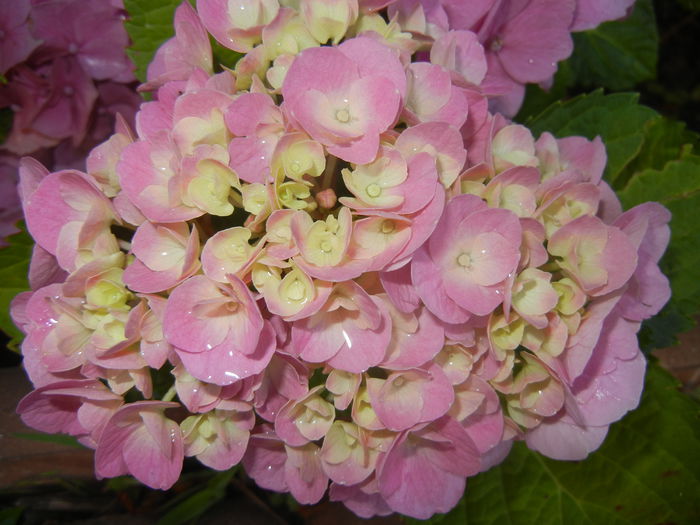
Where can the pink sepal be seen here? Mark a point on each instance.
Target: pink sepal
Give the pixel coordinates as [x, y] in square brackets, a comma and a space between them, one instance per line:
[424, 471]
[139, 440]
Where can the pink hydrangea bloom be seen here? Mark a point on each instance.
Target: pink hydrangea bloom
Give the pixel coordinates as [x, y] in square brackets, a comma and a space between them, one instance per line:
[343, 103]
[16, 40]
[139, 440]
[55, 53]
[462, 269]
[349, 275]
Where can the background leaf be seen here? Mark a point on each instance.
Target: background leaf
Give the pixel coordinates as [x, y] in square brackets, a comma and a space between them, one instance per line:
[11, 516]
[620, 54]
[646, 473]
[617, 118]
[60, 439]
[200, 501]
[6, 115]
[690, 4]
[14, 266]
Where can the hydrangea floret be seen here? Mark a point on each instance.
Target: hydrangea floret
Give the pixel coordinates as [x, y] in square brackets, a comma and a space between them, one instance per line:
[349, 274]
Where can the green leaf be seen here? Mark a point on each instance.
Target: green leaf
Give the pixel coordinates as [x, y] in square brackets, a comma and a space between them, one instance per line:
[620, 54]
[664, 140]
[14, 266]
[617, 118]
[150, 23]
[6, 115]
[60, 439]
[223, 56]
[660, 331]
[693, 5]
[647, 472]
[11, 516]
[197, 504]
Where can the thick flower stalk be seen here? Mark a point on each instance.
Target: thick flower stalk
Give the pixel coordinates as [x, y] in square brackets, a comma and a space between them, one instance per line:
[349, 274]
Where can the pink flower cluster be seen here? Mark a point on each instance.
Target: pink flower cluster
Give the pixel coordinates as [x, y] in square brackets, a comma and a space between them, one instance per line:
[65, 75]
[523, 39]
[349, 275]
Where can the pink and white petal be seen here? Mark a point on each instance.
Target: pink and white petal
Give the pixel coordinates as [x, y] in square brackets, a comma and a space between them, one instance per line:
[423, 224]
[397, 285]
[361, 151]
[264, 461]
[419, 187]
[609, 387]
[318, 338]
[373, 58]
[414, 486]
[304, 475]
[140, 278]
[363, 348]
[561, 438]
[536, 39]
[425, 276]
[154, 452]
[364, 504]
[460, 51]
[183, 328]
[325, 69]
[370, 242]
[409, 350]
[222, 365]
[399, 402]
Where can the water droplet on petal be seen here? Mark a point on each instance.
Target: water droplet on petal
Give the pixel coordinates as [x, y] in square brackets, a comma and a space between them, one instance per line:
[348, 341]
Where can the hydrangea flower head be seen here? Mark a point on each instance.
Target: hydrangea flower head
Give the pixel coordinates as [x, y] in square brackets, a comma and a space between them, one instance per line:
[352, 277]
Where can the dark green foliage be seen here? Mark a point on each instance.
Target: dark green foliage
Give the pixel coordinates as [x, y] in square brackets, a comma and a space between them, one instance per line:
[646, 473]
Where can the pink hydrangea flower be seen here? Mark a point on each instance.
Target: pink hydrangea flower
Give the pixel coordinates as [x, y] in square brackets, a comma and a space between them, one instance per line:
[351, 275]
[217, 330]
[139, 440]
[16, 40]
[343, 103]
[462, 268]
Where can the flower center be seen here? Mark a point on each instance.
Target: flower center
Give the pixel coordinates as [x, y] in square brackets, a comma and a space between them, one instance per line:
[342, 115]
[373, 190]
[326, 246]
[296, 291]
[388, 226]
[464, 260]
